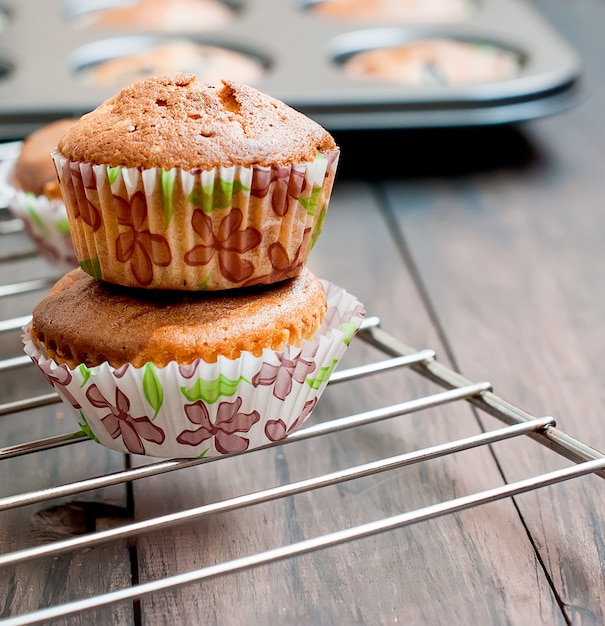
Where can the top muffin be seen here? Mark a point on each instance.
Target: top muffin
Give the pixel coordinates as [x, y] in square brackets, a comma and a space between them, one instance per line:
[175, 184]
[181, 122]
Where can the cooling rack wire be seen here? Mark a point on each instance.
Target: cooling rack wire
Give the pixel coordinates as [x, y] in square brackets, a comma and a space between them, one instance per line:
[455, 388]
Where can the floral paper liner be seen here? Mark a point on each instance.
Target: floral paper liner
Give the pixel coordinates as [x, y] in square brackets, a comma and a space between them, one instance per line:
[223, 228]
[205, 409]
[44, 220]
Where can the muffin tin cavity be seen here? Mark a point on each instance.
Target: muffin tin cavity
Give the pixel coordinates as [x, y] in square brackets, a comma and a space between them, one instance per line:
[118, 61]
[298, 54]
[390, 56]
[4, 18]
[394, 11]
[170, 16]
[6, 68]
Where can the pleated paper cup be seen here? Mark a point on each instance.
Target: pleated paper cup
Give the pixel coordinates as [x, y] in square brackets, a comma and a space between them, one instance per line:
[224, 228]
[44, 220]
[205, 409]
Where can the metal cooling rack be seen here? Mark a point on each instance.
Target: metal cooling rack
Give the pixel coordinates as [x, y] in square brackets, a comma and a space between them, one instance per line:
[516, 423]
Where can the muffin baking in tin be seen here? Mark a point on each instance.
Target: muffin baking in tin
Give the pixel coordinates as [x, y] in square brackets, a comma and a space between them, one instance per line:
[299, 51]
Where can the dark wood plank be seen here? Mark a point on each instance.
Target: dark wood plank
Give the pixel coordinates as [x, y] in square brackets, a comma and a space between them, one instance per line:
[49, 581]
[511, 259]
[485, 245]
[476, 566]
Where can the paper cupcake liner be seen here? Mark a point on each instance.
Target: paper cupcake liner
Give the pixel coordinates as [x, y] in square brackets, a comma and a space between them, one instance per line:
[45, 221]
[205, 409]
[195, 230]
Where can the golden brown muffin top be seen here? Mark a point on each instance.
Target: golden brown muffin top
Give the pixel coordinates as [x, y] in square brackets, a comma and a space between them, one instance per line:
[34, 169]
[83, 320]
[178, 121]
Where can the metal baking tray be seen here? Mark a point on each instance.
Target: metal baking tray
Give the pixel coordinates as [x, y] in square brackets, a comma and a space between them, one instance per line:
[41, 48]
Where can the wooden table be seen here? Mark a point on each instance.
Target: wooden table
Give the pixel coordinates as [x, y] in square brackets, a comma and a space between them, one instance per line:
[484, 245]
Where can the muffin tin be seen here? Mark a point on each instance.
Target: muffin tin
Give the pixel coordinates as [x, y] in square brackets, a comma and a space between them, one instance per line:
[43, 49]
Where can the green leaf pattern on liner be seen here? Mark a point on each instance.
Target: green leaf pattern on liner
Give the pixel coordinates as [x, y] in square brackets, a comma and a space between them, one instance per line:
[204, 284]
[317, 228]
[211, 390]
[310, 203]
[349, 329]
[92, 267]
[63, 225]
[85, 373]
[86, 428]
[113, 173]
[167, 194]
[217, 196]
[30, 203]
[152, 387]
[323, 375]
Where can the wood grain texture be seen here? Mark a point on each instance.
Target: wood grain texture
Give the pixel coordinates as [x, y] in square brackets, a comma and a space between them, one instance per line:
[511, 260]
[40, 583]
[483, 244]
[476, 566]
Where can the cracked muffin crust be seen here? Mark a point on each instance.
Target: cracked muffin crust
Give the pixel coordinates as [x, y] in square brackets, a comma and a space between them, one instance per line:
[178, 121]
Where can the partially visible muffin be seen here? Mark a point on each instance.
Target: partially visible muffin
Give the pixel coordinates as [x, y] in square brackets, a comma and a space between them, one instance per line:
[210, 63]
[33, 195]
[177, 184]
[34, 169]
[121, 325]
[400, 11]
[431, 62]
[161, 15]
[145, 385]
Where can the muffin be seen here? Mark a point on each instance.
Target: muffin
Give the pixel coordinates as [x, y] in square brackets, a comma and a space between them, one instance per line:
[176, 184]
[161, 15]
[190, 374]
[32, 194]
[400, 11]
[121, 325]
[209, 63]
[425, 63]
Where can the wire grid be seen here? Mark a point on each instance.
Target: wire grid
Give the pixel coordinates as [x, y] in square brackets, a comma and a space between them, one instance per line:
[516, 423]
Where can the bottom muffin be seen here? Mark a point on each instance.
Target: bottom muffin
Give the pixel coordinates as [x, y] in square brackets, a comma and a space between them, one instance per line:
[173, 403]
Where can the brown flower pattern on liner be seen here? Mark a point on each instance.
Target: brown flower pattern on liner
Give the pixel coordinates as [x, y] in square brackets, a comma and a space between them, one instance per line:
[281, 265]
[137, 244]
[119, 422]
[289, 182]
[189, 370]
[59, 378]
[229, 421]
[82, 177]
[228, 243]
[280, 376]
[276, 430]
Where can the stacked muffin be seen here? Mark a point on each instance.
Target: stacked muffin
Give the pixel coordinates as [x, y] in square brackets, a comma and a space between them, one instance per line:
[193, 326]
